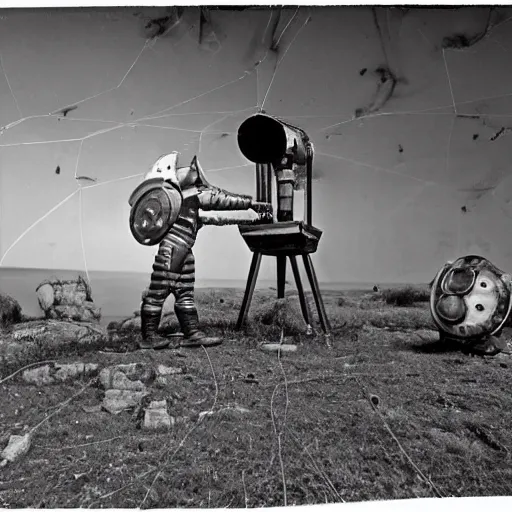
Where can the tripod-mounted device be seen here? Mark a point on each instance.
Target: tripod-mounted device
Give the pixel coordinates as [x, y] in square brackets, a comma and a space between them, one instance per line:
[274, 145]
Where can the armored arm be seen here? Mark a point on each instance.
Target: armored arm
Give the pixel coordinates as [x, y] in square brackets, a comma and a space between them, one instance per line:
[214, 198]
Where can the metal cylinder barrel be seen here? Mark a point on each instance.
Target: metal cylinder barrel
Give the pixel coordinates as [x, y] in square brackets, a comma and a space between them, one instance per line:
[266, 139]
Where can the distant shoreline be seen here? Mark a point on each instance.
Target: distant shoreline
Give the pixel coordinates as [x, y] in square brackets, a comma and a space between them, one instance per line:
[212, 283]
[119, 293]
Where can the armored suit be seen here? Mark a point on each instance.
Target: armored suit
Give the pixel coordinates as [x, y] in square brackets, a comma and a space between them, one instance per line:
[173, 268]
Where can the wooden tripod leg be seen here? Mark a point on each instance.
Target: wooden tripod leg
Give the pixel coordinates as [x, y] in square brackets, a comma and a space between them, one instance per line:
[249, 289]
[281, 276]
[300, 290]
[324, 321]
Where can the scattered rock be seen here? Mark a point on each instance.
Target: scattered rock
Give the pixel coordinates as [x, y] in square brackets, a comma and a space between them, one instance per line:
[51, 373]
[118, 400]
[166, 375]
[38, 376]
[157, 417]
[50, 334]
[45, 296]
[18, 446]
[168, 370]
[10, 311]
[157, 404]
[133, 376]
[278, 347]
[74, 370]
[91, 408]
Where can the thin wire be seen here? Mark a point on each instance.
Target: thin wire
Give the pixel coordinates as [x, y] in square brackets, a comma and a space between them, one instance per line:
[9, 85]
[281, 60]
[69, 105]
[447, 167]
[203, 131]
[85, 120]
[178, 129]
[228, 168]
[37, 142]
[377, 168]
[426, 38]
[426, 111]
[94, 96]
[152, 44]
[268, 25]
[206, 112]
[287, 25]
[113, 181]
[19, 121]
[132, 124]
[49, 212]
[449, 81]
[263, 59]
[78, 158]
[133, 65]
[257, 75]
[167, 109]
[94, 134]
[81, 224]
[77, 139]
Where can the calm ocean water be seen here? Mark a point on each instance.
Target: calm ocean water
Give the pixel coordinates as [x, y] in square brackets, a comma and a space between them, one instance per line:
[117, 293]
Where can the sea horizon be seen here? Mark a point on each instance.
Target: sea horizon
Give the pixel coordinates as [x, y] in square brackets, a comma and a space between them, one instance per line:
[118, 293]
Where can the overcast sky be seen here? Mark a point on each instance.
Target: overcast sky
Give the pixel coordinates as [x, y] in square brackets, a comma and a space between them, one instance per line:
[422, 176]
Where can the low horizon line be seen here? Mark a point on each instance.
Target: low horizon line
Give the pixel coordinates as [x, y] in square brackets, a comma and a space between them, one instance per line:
[372, 283]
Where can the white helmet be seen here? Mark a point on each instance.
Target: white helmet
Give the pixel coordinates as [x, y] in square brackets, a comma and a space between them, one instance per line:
[165, 167]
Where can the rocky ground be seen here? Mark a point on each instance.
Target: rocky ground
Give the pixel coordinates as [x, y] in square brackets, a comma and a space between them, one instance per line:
[382, 411]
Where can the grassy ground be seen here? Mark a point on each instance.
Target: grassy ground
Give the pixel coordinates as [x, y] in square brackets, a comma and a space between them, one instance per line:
[380, 415]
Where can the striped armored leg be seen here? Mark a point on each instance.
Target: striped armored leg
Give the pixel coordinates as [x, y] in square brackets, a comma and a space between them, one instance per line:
[185, 307]
[166, 269]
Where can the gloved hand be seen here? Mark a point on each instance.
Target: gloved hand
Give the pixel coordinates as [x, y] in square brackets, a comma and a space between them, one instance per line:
[264, 210]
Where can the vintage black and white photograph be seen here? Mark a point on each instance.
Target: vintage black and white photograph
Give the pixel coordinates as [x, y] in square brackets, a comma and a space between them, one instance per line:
[255, 255]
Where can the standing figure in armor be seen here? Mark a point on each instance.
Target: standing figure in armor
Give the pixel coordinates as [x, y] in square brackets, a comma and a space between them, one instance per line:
[174, 267]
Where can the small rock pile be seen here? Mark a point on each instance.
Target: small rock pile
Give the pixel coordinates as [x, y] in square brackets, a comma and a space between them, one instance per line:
[68, 300]
[127, 387]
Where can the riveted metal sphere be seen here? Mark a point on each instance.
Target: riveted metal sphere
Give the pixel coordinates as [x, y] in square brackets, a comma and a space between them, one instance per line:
[470, 298]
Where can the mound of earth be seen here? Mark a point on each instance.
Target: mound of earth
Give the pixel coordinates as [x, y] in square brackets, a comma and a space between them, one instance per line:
[10, 311]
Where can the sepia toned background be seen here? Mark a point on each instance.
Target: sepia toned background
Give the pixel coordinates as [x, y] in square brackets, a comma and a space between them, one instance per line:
[409, 110]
